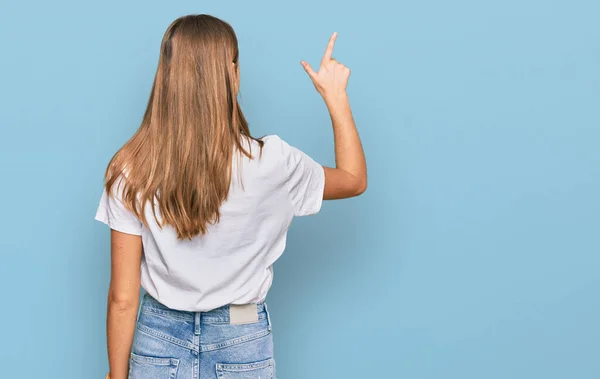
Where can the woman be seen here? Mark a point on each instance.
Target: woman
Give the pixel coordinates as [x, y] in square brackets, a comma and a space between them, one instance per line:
[199, 211]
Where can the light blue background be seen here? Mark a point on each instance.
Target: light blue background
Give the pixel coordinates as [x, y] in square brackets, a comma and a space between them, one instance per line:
[474, 252]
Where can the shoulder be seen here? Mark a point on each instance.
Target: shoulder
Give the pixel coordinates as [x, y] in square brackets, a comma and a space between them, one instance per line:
[270, 145]
[117, 184]
[275, 146]
[272, 142]
[291, 157]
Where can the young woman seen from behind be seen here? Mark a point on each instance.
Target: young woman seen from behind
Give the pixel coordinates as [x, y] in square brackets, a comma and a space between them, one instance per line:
[199, 211]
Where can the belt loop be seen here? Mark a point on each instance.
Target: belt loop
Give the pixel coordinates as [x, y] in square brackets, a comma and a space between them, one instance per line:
[268, 316]
[197, 323]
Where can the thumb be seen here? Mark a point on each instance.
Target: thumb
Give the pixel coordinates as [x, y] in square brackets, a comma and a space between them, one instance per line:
[309, 70]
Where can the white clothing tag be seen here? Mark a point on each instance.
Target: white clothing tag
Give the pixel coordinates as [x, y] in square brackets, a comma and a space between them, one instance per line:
[243, 314]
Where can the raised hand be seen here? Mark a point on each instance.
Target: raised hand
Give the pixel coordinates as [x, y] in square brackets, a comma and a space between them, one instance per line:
[332, 78]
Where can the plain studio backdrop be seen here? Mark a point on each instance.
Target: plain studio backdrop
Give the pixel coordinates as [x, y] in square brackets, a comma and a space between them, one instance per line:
[473, 254]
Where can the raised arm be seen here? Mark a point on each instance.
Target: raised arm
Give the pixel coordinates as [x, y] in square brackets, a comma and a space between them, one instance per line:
[349, 177]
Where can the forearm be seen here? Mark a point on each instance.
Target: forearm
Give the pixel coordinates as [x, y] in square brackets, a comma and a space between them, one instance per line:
[349, 178]
[120, 328]
[349, 154]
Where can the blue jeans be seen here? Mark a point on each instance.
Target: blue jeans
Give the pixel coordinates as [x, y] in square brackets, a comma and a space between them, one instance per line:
[173, 344]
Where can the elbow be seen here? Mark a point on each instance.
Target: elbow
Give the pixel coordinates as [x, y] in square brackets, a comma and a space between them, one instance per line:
[122, 302]
[361, 187]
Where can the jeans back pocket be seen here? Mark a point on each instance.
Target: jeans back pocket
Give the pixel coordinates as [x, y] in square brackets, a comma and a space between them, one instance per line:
[144, 367]
[264, 369]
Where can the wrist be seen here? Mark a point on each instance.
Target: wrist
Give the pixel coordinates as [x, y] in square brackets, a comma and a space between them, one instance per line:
[335, 98]
[337, 101]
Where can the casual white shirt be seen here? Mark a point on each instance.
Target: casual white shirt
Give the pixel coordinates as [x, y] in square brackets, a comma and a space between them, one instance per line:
[233, 262]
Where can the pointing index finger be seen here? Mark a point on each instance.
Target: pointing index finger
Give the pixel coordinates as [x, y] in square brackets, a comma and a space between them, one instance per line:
[329, 50]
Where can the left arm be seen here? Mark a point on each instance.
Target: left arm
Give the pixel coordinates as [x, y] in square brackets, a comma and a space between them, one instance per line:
[123, 300]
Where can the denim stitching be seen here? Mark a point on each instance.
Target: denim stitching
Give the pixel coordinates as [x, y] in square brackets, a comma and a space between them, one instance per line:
[220, 320]
[235, 341]
[170, 314]
[145, 360]
[240, 367]
[174, 370]
[165, 337]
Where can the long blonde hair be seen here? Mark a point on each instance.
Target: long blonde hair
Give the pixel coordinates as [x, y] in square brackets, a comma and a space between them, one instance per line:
[182, 152]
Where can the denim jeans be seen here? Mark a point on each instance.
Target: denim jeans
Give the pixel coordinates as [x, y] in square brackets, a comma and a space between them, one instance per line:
[173, 344]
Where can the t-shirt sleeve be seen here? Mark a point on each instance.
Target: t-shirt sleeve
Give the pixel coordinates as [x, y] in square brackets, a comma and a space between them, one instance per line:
[305, 180]
[112, 212]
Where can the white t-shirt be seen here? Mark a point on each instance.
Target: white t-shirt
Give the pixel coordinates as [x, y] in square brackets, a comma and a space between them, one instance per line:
[232, 262]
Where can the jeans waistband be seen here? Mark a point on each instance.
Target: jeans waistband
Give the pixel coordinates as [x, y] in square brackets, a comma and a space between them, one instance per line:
[220, 314]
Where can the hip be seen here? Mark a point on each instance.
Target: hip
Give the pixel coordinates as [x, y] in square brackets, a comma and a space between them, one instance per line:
[228, 342]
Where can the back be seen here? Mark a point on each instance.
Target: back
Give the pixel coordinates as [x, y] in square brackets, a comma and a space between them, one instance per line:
[232, 262]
